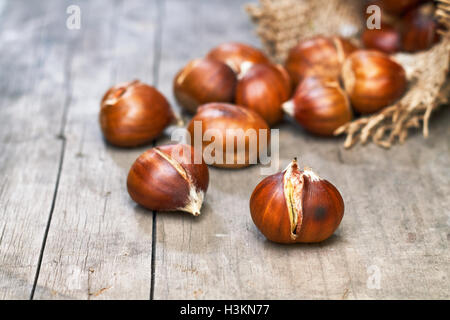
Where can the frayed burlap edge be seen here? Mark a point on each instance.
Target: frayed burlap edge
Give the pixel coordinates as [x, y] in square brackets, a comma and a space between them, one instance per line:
[282, 23]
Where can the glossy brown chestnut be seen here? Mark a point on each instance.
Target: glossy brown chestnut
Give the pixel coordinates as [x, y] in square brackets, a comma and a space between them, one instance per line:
[398, 7]
[372, 80]
[237, 56]
[386, 39]
[263, 88]
[166, 178]
[296, 206]
[322, 56]
[133, 114]
[220, 119]
[420, 29]
[202, 81]
[319, 105]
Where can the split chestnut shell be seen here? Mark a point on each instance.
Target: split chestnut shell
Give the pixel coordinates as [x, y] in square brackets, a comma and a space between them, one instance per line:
[296, 206]
[166, 178]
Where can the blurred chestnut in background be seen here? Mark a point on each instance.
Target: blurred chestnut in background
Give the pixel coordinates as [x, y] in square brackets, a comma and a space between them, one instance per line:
[318, 56]
[420, 29]
[263, 88]
[372, 80]
[296, 206]
[202, 81]
[216, 119]
[133, 114]
[398, 7]
[386, 39]
[319, 105]
[166, 178]
[237, 56]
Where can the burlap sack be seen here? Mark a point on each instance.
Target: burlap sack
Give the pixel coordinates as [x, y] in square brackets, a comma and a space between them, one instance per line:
[282, 23]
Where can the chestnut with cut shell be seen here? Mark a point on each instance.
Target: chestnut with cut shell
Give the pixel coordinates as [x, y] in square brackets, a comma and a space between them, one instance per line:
[134, 113]
[166, 178]
[296, 206]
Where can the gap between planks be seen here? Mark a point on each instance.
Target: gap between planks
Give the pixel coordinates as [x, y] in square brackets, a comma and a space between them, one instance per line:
[62, 137]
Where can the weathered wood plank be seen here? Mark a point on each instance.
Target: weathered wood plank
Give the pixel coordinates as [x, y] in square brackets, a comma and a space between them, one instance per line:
[33, 81]
[99, 243]
[397, 207]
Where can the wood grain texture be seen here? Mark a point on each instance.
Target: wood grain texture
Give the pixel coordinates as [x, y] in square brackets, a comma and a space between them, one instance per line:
[33, 88]
[396, 221]
[99, 242]
[58, 173]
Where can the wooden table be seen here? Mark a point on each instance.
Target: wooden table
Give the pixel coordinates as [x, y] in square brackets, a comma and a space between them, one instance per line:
[68, 228]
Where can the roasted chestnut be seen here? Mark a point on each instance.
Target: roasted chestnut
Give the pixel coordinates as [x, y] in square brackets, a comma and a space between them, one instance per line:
[398, 7]
[420, 29]
[133, 113]
[237, 56]
[319, 105]
[166, 178]
[386, 39]
[230, 134]
[372, 80]
[320, 56]
[296, 206]
[263, 88]
[202, 81]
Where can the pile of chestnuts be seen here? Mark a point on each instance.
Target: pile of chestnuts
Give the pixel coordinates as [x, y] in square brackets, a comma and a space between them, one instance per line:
[335, 78]
[234, 73]
[324, 82]
[406, 25]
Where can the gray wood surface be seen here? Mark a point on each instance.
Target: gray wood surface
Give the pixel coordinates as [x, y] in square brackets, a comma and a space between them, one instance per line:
[33, 90]
[68, 229]
[99, 242]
